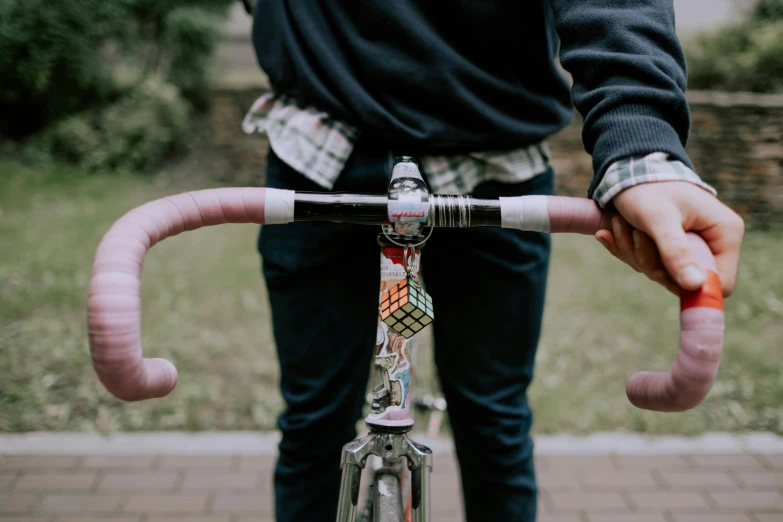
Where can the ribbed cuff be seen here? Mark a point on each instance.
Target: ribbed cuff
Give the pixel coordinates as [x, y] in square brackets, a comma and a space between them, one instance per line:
[634, 130]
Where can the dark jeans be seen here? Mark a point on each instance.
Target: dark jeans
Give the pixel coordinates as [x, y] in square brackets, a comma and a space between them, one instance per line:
[488, 287]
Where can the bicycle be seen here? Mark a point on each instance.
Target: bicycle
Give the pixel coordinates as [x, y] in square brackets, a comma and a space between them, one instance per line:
[408, 214]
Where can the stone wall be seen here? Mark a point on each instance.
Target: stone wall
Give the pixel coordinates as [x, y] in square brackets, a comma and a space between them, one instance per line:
[736, 145]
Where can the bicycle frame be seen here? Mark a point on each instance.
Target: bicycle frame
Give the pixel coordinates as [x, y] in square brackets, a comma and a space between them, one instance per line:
[114, 303]
[390, 416]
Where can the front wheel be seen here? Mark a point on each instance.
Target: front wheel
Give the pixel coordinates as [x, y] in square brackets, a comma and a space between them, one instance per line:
[386, 497]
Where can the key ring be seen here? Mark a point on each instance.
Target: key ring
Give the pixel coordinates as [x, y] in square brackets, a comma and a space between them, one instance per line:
[409, 258]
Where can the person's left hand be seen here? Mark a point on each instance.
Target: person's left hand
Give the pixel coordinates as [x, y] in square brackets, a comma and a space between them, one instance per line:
[649, 234]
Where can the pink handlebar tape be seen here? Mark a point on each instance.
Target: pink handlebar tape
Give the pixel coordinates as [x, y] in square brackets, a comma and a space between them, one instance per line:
[114, 302]
[689, 380]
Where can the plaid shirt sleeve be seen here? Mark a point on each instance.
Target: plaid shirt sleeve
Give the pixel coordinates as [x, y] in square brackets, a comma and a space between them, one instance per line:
[644, 169]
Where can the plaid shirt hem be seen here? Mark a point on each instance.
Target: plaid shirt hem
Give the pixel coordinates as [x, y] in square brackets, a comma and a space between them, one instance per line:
[309, 141]
[316, 146]
[644, 169]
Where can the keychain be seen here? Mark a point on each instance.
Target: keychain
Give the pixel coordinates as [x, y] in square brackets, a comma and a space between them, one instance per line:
[406, 307]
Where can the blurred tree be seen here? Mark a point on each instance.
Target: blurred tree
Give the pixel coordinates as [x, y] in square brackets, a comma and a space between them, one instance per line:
[177, 37]
[50, 61]
[768, 10]
[60, 58]
[743, 56]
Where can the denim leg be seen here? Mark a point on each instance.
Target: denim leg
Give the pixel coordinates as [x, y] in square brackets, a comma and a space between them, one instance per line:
[323, 281]
[488, 287]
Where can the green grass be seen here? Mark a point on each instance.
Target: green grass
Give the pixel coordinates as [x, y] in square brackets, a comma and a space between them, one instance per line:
[205, 308]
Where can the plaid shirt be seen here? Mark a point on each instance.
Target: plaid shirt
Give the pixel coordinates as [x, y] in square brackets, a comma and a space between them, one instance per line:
[317, 146]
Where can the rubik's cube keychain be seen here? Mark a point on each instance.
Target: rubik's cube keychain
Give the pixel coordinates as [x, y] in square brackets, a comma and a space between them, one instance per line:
[406, 308]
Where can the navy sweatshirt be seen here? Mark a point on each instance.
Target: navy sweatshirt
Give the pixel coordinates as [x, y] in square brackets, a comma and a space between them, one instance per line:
[430, 76]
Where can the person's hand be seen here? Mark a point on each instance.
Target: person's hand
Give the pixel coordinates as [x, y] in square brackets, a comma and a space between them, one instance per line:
[649, 234]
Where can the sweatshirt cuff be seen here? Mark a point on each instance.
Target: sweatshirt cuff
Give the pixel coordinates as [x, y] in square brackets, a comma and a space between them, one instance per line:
[634, 129]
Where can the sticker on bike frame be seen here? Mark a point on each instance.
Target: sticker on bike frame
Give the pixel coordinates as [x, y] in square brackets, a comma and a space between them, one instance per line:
[391, 385]
[414, 211]
[393, 361]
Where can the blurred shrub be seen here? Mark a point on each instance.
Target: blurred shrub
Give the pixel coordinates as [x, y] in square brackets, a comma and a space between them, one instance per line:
[105, 83]
[745, 56]
[768, 10]
[136, 132]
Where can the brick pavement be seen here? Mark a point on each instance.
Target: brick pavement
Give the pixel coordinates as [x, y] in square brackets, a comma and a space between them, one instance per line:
[166, 488]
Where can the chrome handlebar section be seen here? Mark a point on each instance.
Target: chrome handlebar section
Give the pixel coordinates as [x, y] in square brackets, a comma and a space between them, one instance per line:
[444, 211]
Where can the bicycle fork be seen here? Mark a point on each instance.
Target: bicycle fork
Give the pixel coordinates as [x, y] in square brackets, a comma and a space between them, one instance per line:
[387, 446]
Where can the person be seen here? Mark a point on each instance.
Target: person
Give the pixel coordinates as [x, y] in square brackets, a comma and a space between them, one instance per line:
[473, 90]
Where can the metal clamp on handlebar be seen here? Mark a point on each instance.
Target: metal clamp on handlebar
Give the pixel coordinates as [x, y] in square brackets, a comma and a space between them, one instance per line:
[409, 204]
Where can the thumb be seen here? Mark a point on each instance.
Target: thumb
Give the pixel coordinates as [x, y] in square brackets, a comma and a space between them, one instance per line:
[675, 250]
